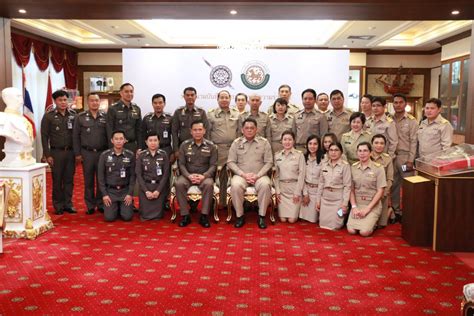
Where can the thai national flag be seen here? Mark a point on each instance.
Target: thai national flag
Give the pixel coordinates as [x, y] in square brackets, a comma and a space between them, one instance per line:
[28, 111]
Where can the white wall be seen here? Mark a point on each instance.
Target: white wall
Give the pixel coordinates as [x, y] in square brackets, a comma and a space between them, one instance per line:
[434, 84]
[456, 49]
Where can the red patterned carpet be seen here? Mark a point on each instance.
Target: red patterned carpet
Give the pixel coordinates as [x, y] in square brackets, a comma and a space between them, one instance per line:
[87, 266]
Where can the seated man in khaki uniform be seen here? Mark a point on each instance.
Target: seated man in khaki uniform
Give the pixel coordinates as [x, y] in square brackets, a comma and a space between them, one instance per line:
[250, 159]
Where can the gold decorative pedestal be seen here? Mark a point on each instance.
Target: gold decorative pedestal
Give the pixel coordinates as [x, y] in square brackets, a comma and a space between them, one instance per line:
[25, 214]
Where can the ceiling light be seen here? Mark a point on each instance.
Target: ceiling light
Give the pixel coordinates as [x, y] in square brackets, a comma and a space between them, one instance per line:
[233, 12]
[344, 46]
[22, 11]
[147, 44]
[455, 12]
[372, 28]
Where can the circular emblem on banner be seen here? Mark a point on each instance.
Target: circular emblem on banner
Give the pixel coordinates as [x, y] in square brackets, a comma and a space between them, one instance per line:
[220, 76]
[255, 75]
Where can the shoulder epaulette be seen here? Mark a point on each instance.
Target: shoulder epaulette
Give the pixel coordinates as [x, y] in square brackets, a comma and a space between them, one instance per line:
[83, 113]
[389, 119]
[385, 155]
[344, 162]
[444, 121]
[208, 141]
[149, 113]
[128, 151]
[411, 117]
[212, 110]
[167, 114]
[187, 141]
[161, 151]
[377, 164]
[356, 163]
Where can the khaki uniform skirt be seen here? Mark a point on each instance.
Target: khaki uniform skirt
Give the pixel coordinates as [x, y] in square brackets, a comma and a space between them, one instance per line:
[309, 212]
[287, 208]
[369, 221]
[151, 209]
[331, 200]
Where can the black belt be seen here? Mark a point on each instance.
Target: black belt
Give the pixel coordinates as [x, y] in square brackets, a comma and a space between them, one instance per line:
[152, 181]
[92, 149]
[117, 187]
[61, 148]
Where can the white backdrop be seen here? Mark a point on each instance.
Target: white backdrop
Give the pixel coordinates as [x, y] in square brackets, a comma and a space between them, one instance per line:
[169, 71]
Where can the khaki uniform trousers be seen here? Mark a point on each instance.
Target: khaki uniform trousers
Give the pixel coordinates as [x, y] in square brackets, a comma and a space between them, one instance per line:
[238, 185]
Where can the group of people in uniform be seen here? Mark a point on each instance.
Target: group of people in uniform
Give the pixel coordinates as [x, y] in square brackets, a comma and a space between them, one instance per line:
[331, 166]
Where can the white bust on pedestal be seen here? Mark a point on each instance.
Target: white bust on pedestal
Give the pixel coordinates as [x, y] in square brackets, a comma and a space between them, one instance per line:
[17, 131]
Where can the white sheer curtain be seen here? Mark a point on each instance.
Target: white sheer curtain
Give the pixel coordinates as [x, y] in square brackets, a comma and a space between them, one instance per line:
[37, 85]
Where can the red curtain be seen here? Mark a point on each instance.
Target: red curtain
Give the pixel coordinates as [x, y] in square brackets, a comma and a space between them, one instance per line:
[21, 46]
[70, 69]
[57, 58]
[60, 57]
[41, 53]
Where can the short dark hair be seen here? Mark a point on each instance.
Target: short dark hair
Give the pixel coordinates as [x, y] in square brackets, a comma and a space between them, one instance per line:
[157, 96]
[400, 95]
[60, 93]
[117, 131]
[251, 120]
[367, 96]
[281, 101]
[380, 100]
[337, 144]
[284, 86]
[320, 94]
[189, 89]
[357, 115]
[435, 101]
[365, 144]
[288, 132]
[312, 91]
[93, 93]
[219, 93]
[239, 94]
[198, 122]
[334, 92]
[379, 136]
[126, 84]
[151, 134]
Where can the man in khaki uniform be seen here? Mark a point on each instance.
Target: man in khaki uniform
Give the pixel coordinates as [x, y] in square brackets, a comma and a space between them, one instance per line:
[197, 164]
[407, 126]
[223, 130]
[338, 117]
[435, 132]
[308, 121]
[284, 91]
[250, 159]
[379, 123]
[322, 101]
[241, 102]
[255, 101]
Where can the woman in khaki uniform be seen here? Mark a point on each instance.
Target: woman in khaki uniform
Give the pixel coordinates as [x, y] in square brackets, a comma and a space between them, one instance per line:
[333, 189]
[313, 156]
[289, 178]
[279, 121]
[357, 135]
[380, 156]
[368, 184]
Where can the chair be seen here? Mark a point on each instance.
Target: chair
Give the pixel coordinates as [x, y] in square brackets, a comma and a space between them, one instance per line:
[194, 194]
[250, 195]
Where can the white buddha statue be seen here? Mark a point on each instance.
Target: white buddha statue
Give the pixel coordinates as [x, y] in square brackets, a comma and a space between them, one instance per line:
[17, 131]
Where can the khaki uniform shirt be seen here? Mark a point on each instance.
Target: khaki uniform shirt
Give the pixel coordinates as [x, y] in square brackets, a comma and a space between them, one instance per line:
[349, 142]
[367, 180]
[407, 128]
[336, 177]
[387, 162]
[290, 168]
[116, 170]
[276, 127]
[161, 125]
[434, 136]
[56, 130]
[254, 156]
[262, 122]
[387, 127]
[125, 118]
[308, 123]
[223, 130]
[90, 133]
[200, 159]
[153, 169]
[339, 124]
[181, 123]
[312, 174]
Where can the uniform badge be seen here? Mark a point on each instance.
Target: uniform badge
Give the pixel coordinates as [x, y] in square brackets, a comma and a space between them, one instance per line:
[110, 158]
[126, 159]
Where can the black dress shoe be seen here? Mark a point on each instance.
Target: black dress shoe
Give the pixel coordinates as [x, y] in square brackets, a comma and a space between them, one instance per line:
[70, 210]
[261, 222]
[185, 221]
[90, 211]
[239, 222]
[101, 210]
[58, 212]
[204, 221]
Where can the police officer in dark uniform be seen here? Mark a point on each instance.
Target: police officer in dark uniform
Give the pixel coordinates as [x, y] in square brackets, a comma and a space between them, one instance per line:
[90, 140]
[152, 172]
[126, 116]
[56, 139]
[184, 116]
[197, 164]
[117, 179]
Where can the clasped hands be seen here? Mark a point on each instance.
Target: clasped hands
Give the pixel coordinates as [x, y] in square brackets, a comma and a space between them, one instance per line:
[250, 178]
[196, 178]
